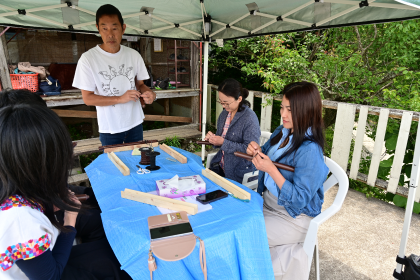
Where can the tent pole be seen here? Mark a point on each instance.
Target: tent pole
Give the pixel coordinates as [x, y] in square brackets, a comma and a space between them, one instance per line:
[414, 180]
[205, 79]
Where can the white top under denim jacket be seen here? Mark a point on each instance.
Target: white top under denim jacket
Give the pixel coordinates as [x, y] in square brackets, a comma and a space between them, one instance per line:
[302, 192]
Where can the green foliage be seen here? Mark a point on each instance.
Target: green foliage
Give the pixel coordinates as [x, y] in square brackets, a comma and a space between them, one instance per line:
[172, 141]
[372, 64]
[75, 132]
[401, 201]
[391, 138]
[148, 125]
[85, 160]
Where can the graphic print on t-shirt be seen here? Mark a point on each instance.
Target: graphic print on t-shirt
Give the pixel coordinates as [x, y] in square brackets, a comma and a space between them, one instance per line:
[118, 82]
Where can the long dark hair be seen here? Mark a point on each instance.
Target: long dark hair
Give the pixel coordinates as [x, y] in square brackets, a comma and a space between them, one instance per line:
[306, 107]
[233, 88]
[20, 96]
[35, 157]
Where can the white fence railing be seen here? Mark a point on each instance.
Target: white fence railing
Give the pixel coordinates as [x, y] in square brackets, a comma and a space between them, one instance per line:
[343, 135]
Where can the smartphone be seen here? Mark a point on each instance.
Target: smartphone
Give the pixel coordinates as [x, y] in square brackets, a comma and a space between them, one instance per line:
[211, 196]
[170, 231]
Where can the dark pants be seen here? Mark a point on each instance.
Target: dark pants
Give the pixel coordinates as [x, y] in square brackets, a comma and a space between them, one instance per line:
[94, 258]
[93, 261]
[88, 225]
[216, 168]
[133, 135]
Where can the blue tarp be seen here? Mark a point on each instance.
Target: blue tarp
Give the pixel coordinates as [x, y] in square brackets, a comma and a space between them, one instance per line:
[233, 231]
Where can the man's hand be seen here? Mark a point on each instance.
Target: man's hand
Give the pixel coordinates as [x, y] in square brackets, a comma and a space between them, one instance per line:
[148, 96]
[129, 95]
[253, 148]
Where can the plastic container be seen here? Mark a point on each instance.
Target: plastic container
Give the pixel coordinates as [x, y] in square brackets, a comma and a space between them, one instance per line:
[25, 81]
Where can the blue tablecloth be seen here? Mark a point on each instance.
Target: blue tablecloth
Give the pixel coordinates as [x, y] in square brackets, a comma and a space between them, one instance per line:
[233, 231]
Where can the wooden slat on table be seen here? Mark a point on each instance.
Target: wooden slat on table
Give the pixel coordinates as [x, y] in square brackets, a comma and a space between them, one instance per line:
[91, 145]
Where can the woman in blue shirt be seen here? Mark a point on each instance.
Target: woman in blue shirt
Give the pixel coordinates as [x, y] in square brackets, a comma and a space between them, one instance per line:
[292, 199]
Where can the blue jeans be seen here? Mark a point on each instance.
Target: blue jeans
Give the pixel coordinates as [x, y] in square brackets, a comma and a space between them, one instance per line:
[133, 135]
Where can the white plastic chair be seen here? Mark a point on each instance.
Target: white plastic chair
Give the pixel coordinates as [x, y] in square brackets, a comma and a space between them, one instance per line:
[311, 240]
[265, 135]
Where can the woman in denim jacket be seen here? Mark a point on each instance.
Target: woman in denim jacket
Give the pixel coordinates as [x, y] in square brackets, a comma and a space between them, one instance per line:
[292, 199]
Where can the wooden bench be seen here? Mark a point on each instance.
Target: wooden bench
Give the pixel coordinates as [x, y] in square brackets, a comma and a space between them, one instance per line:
[89, 146]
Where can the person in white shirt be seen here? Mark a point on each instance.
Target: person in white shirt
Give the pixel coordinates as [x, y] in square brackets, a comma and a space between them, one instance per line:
[110, 77]
[35, 157]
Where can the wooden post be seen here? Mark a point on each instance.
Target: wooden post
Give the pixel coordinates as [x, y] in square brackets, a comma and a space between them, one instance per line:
[195, 102]
[4, 60]
[250, 98]
[343, 132]
[95, 127]
[266, 112]
[377, 148]
[208, 115]
[166, 109]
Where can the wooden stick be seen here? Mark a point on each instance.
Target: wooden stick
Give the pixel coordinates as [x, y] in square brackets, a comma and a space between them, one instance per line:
[119, 164]
[131, 147]
[127, 144]
[160, 201]
[276, 164]
[81, 197]
[204, 143]
[229, 186]
[173, 153]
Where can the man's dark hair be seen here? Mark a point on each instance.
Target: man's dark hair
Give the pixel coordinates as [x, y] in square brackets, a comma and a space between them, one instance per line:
[35, 158]
[20, 96]
[108, 10]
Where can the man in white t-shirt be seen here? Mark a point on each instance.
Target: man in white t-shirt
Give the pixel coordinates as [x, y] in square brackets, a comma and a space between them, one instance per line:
[110, 77]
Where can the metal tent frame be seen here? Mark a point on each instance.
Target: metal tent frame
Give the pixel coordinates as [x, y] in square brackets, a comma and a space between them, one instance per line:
[193, 20]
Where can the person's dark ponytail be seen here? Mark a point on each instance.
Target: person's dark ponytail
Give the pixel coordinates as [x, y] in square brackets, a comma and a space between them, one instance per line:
[233, 88]
[244, 102]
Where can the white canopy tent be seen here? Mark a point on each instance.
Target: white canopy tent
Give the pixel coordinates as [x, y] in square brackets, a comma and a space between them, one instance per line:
[206, 20]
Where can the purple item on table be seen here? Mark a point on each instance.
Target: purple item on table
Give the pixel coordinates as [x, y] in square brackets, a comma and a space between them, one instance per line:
[195, 186]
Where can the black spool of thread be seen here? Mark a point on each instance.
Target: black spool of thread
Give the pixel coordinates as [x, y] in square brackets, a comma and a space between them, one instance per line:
[153, 161]
[145, 155]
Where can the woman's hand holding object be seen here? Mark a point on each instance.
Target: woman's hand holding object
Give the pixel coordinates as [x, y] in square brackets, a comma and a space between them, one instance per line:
[263, 162]
[69, 216]
[208, 136]
[253, 148]
[216, 140]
